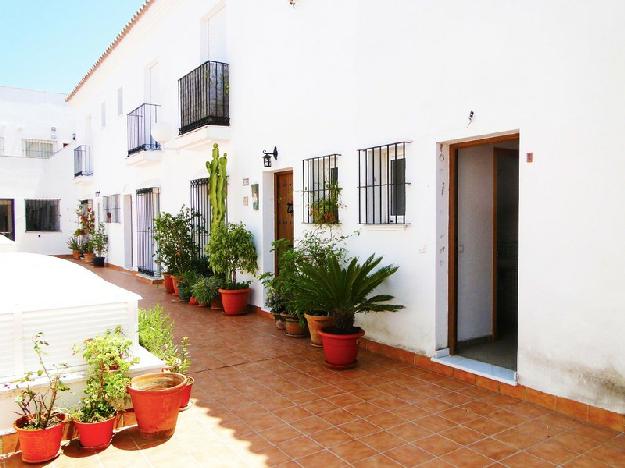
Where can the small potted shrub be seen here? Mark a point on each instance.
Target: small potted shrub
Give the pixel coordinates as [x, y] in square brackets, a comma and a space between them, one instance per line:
[99, 241]
[105, 391]
[87, 251]
[325, 210]
[295, 325]
[41, 424]
[185, 283]
[74, 245]
[231, 249]
[206, 289]
[343, 291]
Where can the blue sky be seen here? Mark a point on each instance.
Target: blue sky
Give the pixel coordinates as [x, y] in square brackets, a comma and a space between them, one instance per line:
[50, 44]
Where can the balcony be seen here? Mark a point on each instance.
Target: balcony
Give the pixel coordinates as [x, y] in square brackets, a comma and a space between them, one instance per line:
[204, 97]
[140, 122]
[83, 163]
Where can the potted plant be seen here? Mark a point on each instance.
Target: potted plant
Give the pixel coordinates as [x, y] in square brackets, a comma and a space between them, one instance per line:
[343, 291]
[206, 289]
[231, 249]
[87, 251]
[105, 390]
[157, 336]
[99, 241]
[41, 424]
[325, 210]
[74, 245]
[185, 283]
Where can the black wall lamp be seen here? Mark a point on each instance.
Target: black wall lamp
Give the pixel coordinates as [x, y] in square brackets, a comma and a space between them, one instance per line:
[267, 156]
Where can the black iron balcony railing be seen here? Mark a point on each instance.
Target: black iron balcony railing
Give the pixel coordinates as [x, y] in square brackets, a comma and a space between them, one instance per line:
[204, 97]
[140, 122]
[83, 165]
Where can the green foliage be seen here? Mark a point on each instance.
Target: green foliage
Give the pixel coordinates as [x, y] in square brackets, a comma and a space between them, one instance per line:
[217, 187]
[108, 375]
[86, 219]
[156, 334]
[74, 243]
[175, 246]
[185, 283]
[87, 246]
[39, 406]
[206, 288]
[99, 240]
[231, 248]
[326, 209]
[345, 290]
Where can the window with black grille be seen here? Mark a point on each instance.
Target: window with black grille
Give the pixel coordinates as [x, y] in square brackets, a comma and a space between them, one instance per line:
[382, 184]
[37, 148]
[200, 206]
[110, 206]
[43, 215]
[320, 190]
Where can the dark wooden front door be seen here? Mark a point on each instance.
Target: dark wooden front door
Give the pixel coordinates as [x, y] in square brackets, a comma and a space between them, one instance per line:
[284, 207]
[7, 218]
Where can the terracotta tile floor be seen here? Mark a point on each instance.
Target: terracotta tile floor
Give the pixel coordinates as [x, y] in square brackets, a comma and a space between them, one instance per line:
[263, 399]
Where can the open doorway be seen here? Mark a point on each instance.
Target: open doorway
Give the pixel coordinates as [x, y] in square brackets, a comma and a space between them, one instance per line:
[483, 269]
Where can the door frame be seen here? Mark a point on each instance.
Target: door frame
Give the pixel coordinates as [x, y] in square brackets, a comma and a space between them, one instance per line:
[276, 175]
[12, 205]
[452, 236]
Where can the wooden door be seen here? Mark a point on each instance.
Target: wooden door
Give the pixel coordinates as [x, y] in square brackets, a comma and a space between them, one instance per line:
[284, 206]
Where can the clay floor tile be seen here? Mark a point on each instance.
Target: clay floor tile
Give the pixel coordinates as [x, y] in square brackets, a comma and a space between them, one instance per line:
[359, 428]
[410, 431]
[292, 414]
[525, 460]
[466, 458]
[409, 455]
[493, 449]
[280, 433]
[434, 423]
[463, 435]
[323, 459]
[382, 441]
[311, 425]
[354, 451]
[339, 416]
[552, 451]
[331, 437]
[386, 419]
[377, 461]
[299, 447]
[437, 445]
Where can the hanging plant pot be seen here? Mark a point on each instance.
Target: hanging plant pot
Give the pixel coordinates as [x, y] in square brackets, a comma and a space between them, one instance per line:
[76, 254]
[156, 401]
[174, 281]
[168, 282]
[97, 435]
[293, 328]
[341, 350]
[235, 300]
[39, 445]
[185, 396]
[98, 261]
[315, 324]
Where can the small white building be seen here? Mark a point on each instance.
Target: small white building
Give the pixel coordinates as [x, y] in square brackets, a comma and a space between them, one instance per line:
[476, 145]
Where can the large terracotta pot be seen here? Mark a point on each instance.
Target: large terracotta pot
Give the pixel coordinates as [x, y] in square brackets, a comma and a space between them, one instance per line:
[185, 396]
[156, 402]
[293, 328]
[76, 254]
[315, 324]
[168, 282]
[341, 351]
[97, 435]
[174, 281]
[234, 301]
[39, 445]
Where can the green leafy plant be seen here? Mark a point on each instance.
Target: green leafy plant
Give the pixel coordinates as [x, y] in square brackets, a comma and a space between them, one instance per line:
[326, 209]
[86, 220]
[345, 290]
[87, 246]
[74, 243]
[156, 334]
[99, 240]
[217, 187]
[175, 246]
[108, 375]
[231, 249]
[39, 408]
[206, 288]
[186, 282]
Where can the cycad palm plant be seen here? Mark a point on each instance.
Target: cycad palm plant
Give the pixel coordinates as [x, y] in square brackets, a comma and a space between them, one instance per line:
[344, 291]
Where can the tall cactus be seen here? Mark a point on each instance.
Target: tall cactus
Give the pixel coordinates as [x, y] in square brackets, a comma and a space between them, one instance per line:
[217, 186]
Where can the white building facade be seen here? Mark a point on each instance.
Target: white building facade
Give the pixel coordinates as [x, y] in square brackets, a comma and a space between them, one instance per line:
[475, 143]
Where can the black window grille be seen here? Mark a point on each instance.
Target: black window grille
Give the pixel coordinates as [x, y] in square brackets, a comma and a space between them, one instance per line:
[204, 96]
[320, 190]
[382, 184]
[43, 215]
[140, 122]
[83, 165]
[37, 148]
[147, 209]
[111, 208]
[200, 207]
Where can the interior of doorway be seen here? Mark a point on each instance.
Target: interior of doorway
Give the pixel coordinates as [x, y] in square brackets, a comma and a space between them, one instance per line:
[483, 314]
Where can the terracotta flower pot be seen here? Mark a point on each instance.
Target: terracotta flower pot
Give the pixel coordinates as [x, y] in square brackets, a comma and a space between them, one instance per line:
[168, 282]
[235, 300]
[174, 281]
[88, 257]
[192, 300]
[216, 303]
[280, 322]
[341, 351]
[315, 324]
[39, 445]
[156, 402]
[97, 435]
[293, 328]
[76, 254]
[185, 396]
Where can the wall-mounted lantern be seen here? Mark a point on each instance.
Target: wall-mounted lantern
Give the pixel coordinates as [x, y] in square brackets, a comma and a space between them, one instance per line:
[267, 156]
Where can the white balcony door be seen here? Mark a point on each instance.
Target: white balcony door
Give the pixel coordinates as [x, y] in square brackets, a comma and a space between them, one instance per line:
[214, 37]
[152, 84]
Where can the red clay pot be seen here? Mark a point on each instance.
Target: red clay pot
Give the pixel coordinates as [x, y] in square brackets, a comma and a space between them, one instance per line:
[97, 435]
[76, 254]
[216, 303]
[293, 328]
[174, 281]
[168, 283]
[39, 445]
[88, 257]
[156, 402]
[341, 351]
[234, 301]
[192, 300]
[185, 396]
